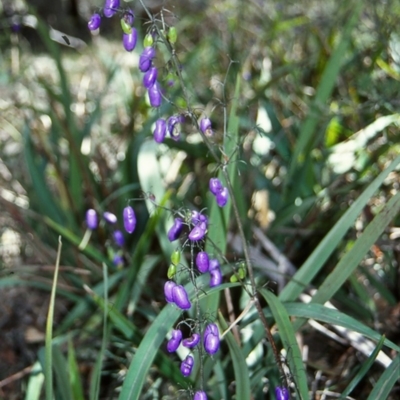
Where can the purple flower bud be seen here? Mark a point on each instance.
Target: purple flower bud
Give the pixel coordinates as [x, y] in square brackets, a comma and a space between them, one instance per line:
[110, 217]
[205, 125]
[175, 341]
[129, 40]
[200, 395]
[160, 130]
[175, 230]
[172, 121]
[211, 328]
[111, 7]
[129, 219]
[150, 77]
[192, 342]
[211, 343]
[214, 264]
[91, 219]
[215, 277]
[180, 297]
[155, 95]
[281, 393]
[215, 186]
[145, 58]
[202, 261]
[129, 17]
[119, 238]
[187, 365]
[222, 197]
[195, 217]
[94, 22]
[198, 232]
[168, 287]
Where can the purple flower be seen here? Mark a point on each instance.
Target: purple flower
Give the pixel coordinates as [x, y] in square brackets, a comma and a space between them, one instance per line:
[215, 186]
[110, 7]
[110, 217]
[150, 77]
[192, 342]
[198, 232]
[119, 238]
[202, 261]
[281, 393]
[211, 328]
[205, 126]
[175, 341]
[94, 22]
[129, 219]
[160, 130]
[168, 287]
[155, 95]
[215, 277]
[91, 219]
[200, 395]
[145, 58]
[211, 339]
[172, 121]
[129, 40]
[222, 197]
[175, 230]
[180, 297]
[187, 365]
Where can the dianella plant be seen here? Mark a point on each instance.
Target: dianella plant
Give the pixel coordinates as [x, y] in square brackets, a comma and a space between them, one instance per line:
[208, 204]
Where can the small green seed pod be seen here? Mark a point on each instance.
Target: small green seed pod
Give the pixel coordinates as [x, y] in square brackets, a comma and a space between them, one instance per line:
[234, 278]
[125, 26]
[172, 34]
[176, 257]
[242, 272]
[148, 40]
[171, 271]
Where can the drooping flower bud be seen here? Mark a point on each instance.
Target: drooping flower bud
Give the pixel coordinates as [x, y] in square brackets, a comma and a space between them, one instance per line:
[175, 230]
[94, 22]
[129, 40]
[200, 395]
[211, 343]
[222, 197]
[215, 277]
[198, 232]
[215, 186]
[168, 287]
[160, 130]
[91, 219]
[205, 126]
[146, 58]
[281, 393]
[180, 297]
[175, 340]
[155, 95]
[129, 219]
[202, 261]
[111, 7]
[187, 365]
[211, 328]
[129, 17]
[214, 264]
[192, 341]
[110, 217]
[119, 238]
[150, 77]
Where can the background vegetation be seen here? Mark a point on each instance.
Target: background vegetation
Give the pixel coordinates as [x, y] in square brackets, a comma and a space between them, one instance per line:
[315, 115]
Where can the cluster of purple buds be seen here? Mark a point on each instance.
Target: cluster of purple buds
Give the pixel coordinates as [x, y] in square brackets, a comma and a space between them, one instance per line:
[220, 192]
[204, 264]
[205, 126]
[176, 294]
[281, 393]
[200, 223]
[169, 127]
[211, 339]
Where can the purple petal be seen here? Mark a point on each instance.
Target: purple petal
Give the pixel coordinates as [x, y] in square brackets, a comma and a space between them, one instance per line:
[146, 58]
[91, 219]
[211, 343]
[281, 393]
[175, 230]
[192, 342]
[175, 340]
[155, 95]
[187, 365]
[160, 130]
[129, 40]
[214, 264]
[215, 277]
[129, 219]
[94, 22]
[168, 287]
[200, 395]
[129, 17]
[205, 124]
[197, 233]
[111, 7]
[110, 217]
[202, 261]
[211, 328]
[180, 297]
[222, 197]
[150, 77]
[215, 186]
